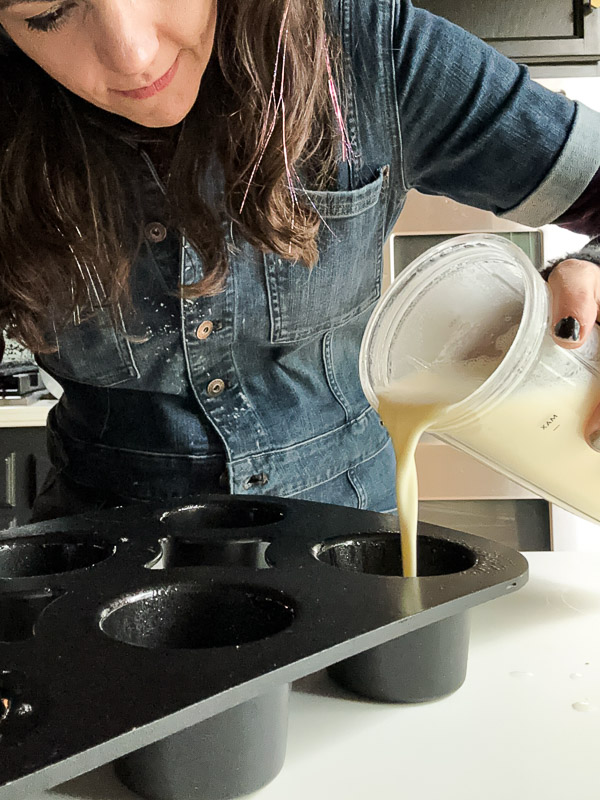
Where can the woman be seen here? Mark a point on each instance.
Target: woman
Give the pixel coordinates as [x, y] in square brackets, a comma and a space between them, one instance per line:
[255, 154]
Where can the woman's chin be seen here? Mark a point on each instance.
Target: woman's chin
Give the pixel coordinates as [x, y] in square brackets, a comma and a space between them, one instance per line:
[164, 116]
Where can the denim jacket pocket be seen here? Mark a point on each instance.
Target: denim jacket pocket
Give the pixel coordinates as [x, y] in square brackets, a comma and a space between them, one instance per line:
[92, 352]
[347, 277]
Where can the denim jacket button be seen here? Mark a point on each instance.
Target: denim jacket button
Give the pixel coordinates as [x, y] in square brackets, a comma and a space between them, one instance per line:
[256, 480]
[155, 232]
[215, 387]
[204, 330]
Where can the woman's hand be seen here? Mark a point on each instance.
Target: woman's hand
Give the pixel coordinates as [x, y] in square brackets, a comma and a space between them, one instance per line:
[575, 288]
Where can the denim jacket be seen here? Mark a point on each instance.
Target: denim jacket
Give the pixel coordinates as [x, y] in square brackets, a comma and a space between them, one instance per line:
[256, 390]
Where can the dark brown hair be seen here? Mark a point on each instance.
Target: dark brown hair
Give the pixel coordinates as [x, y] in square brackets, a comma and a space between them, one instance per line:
[69, 222]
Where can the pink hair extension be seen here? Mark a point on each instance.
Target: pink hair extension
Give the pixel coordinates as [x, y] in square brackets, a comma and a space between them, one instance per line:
[276, 105]
[268, 128]
[346, 145]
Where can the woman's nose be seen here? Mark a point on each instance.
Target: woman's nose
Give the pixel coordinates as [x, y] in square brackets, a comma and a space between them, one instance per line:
[127, 42]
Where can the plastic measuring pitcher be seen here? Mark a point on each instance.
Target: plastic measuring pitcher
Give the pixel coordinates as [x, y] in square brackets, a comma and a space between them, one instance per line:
[473, 314]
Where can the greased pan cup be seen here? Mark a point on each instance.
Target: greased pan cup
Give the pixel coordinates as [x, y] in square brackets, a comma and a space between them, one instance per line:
[237, 751]
[230, 755]
[425, 664]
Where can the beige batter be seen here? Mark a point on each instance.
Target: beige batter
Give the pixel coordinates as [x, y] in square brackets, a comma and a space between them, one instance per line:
[535, 435]
[407, 408]
[538, 436]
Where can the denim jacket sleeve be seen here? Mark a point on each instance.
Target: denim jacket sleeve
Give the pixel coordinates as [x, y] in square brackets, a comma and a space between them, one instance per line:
[591, 251]
[476, 128]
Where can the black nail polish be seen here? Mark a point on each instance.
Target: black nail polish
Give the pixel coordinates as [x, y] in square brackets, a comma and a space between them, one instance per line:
[568, 328]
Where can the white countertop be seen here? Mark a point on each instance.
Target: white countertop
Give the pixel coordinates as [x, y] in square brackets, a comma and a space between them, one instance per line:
[510, 732]
[31, 416]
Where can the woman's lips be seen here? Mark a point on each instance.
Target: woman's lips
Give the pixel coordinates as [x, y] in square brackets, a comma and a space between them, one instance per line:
[153, 88]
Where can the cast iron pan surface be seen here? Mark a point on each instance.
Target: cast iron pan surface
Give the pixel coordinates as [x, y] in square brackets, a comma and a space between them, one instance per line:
[120, 628]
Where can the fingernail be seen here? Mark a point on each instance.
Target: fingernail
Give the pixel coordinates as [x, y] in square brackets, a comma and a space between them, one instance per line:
[594, 441]
[568, 328]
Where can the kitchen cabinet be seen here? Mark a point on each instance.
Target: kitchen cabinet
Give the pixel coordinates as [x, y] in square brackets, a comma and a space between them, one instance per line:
[539, 32]
[24, 464]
